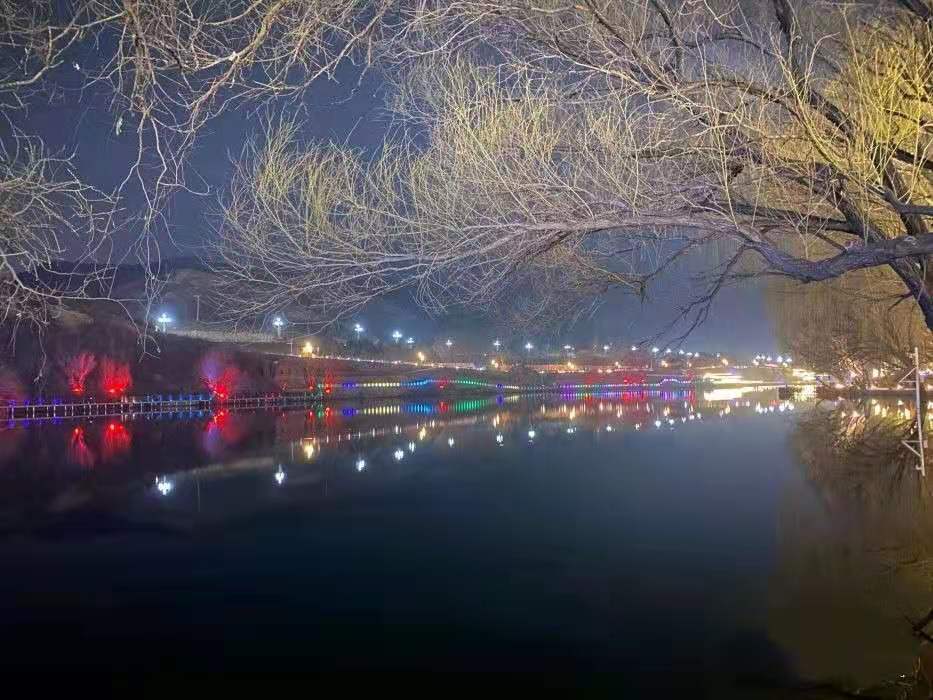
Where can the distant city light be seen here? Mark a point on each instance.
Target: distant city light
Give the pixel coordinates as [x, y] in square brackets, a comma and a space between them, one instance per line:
[496, 343]
[360, 464]
[163, 320]
[450, 442]
[397, 335]
[164, 486]
[528, 346]
[279, 475]
[531, 434]
[398, 454]
[449, 342]
[500, 438]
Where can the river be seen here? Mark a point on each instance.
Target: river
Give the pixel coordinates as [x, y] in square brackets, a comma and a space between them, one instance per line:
[710, 542]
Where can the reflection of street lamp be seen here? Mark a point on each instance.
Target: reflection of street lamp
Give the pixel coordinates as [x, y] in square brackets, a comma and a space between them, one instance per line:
[163, 320]
[397, 335]
[278, 323]
[358, 329]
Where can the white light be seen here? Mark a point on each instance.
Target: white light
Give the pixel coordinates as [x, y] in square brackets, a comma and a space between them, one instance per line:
[278, 322]
[449, 342]
[655, 350]
[608, 428]
[657, 424]
[279, 476]
[164, 486]
[634, 348]
[496, 343]
[500, 438]
[398, 454]
[528, 345]
[681, 351]
[410, 341]
[450, 442]
[571, 431]
[360, 464]
[411, 447]
[531, 434]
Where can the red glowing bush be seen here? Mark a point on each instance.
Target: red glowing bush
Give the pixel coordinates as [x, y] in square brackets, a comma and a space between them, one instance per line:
[219, 375]
[77, 368]
[115, 377]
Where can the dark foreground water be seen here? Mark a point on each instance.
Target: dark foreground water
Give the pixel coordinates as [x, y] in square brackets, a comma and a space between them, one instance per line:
[681, 542]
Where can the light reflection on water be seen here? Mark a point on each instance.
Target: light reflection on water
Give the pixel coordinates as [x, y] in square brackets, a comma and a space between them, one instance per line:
[705, 538]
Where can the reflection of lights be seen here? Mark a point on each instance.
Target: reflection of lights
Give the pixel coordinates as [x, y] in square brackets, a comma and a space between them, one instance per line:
[571, 430]
[657, 424]
[608, 428]
[398, 454]
[164, 485]
[308, 449]
[360, 464]
[279, 475]
[450, 442]
[411, 447]
[531, 434]
[500, 438]
[422, 433]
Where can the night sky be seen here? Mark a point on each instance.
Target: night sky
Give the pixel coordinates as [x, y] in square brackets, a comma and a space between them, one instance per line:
[349, 109]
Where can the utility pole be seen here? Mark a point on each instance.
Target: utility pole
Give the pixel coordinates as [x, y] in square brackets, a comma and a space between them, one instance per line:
[197, 308]
[917, 446]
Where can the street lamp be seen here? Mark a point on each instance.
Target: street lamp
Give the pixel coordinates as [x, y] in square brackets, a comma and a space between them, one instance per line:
[449, 342]
[357, 328]
[655, 350]
[496, 343]
[278, 323]
[163, 320]
[529, 346]
[397, 335]
[410, 341]
[605, 349]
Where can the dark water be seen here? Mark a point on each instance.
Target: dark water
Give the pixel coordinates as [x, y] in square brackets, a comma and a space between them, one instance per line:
[681, 542]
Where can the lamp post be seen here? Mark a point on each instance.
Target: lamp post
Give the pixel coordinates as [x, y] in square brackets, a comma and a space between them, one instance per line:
[496, 344]
[397, 335]
[163, 320]
[358, 329]
[410, 341]
[278, 323]
[529, 347]
[449, 343]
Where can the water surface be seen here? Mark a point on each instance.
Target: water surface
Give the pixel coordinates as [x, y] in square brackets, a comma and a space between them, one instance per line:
[677, 541]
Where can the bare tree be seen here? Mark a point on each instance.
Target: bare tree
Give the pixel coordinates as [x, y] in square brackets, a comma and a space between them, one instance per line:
[561, 149]
[168, 66]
